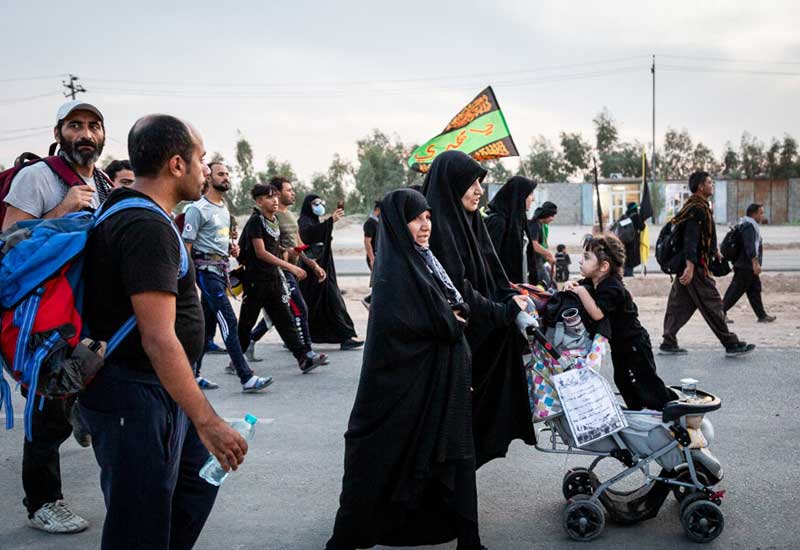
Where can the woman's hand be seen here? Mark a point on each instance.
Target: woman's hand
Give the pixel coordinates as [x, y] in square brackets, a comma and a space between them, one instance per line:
[338, 214]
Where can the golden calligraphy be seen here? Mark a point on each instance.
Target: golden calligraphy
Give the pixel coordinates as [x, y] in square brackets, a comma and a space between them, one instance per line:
[479, 106]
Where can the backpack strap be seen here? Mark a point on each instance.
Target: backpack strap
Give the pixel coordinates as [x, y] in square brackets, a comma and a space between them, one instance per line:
[126, 204]
[64, 171]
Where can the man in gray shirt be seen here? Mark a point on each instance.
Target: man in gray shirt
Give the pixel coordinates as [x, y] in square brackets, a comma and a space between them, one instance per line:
[206, 230]
[38, 192]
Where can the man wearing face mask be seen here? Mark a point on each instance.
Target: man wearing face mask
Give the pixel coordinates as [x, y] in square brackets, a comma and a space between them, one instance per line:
[37, 191]
[206, 231]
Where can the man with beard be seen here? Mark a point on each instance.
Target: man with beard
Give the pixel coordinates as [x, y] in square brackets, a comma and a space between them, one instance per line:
[206, 231]
[38, 192]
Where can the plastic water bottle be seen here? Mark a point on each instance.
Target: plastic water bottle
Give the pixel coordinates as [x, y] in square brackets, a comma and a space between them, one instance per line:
[211, 470]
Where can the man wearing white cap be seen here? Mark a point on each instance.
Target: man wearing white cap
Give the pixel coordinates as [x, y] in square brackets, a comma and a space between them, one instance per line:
[52, 188]
[39, 192]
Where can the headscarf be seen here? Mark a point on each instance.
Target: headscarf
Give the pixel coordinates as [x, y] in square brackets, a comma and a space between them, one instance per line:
[459, 238]
[507, 224]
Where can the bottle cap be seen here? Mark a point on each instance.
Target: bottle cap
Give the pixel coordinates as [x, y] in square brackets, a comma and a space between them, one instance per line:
[250, 419]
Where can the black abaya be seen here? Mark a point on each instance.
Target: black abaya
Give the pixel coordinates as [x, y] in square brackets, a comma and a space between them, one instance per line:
[501, 410]
[507, 224]
[409, 469]
[328, 320]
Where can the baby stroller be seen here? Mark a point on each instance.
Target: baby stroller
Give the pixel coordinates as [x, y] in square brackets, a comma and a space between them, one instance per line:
[676, 440]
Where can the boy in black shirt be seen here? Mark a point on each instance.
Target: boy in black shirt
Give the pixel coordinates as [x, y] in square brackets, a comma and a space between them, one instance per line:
[152, 428]
[562, 264]
[603, 295]
[265, 285]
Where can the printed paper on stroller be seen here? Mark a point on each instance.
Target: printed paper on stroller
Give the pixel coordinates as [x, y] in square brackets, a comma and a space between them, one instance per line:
[589, 405]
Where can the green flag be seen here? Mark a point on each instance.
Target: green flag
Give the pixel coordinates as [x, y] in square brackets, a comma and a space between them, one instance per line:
[480, 130]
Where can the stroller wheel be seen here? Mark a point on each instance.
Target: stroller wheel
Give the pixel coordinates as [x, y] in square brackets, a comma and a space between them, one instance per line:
[703, 521]
[681, 492]
[578, 481]
[583, 519]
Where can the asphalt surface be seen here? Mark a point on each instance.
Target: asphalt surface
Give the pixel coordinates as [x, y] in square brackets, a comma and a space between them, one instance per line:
[781, 260]
[285, 495]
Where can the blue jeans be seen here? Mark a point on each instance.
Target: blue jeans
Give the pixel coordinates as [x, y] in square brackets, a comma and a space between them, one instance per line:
[217, 310]
[150, 457]
[299, 313]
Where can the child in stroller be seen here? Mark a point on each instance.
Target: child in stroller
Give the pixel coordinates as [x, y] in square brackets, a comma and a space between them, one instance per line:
[673, 433]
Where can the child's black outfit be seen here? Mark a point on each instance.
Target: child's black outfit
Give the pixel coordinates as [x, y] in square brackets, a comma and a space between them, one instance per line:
[631, 351]
[562, 266]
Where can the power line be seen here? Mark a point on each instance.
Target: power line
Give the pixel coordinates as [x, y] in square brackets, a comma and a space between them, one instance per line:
[699, 69]
[73, 87]
[26, 78]
[23, 130]
[12, 100]
[730, 60]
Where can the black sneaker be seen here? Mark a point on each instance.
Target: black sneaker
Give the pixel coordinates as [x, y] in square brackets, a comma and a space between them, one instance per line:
[351, 344]
[767, 319]
[665, 349]
[728, 320]
[742, 348]
[310, 363]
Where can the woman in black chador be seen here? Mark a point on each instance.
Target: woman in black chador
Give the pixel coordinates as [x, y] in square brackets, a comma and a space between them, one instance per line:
[507, 223]
[501, 411]
[409, 466]
[328, 320]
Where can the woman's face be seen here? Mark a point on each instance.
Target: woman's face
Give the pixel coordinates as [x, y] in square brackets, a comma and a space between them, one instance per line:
[528, 202]
[472, 198]
[420, 228]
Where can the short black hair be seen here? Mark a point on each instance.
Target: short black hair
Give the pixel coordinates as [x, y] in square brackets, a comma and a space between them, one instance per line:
[696, 179]
[262, 189]
[116, 166]
[753, 209]
[154, 139]
[278, 181]
[213, 162]
[561, 248]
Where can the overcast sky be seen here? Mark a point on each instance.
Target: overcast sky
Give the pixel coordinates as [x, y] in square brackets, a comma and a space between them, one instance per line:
[304, 80]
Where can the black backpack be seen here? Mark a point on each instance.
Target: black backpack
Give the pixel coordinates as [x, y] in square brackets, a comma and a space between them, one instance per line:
[731, 245]
[624, 230]
[669, 253]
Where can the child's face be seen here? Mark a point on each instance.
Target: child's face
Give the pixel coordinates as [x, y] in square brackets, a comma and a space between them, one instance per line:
[589, 264]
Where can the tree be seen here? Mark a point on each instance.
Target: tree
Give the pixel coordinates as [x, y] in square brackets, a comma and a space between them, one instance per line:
[382, 168]
[624, 159]
[239, 195]
[730, 161]
[773, 158]
[703, 159]
[576, 152]
[544, 163]
[753, 158]
[677, 162]
[275, 168]
[497, 172]
[789, 162]
[332, 185]
[606, 133]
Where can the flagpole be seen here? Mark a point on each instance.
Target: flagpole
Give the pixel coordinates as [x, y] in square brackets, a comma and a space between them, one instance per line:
[597, 191]
[653, 160]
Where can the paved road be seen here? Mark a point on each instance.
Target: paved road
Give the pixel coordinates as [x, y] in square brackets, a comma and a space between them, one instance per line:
[285, 497]
[786, 260]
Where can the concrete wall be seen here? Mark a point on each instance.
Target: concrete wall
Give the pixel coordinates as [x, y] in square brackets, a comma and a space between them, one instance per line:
[794, 201]
[568, 198]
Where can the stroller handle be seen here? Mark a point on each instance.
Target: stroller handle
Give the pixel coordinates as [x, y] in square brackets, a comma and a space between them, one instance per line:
[542, 339]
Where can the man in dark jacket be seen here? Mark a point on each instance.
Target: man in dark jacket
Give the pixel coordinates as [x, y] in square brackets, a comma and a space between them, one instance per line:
[695, 289]
[747, 266]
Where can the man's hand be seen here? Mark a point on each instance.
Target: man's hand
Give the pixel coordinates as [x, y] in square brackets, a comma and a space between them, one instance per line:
[319, 272]
[549, 257]
[234, 250]
[687, 275]
[756, 267]
[222, 441]
[299, 272]
[77, 198]
[338, 214]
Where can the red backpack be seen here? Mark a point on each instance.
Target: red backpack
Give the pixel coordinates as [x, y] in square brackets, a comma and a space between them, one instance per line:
[57, 164]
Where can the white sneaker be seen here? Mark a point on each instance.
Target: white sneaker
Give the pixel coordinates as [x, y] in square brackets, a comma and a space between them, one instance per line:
[56, 517]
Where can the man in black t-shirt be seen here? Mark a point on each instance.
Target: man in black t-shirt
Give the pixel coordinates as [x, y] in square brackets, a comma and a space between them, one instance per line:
[152, 428]
[371, 243]
[265, 286]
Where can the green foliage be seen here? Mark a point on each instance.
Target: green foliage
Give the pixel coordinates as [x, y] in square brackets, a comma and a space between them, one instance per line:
[730, 161]
[703, 159]
[544, 163]
[624, 159]
[332, 185]
[754, 161]
[606, 133]
[789, 162]
[497, 172]
[677, 161]
[381, 168]
[576, 153]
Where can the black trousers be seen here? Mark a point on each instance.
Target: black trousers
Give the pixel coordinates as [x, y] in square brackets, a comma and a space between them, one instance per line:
[635, 375]
[700, 294]
[745, 281]
[150, 457]
[41, 461]
[272, 296]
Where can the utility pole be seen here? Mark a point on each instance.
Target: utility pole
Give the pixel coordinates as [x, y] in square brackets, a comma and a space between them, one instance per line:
[653, 160]
[73, 87]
